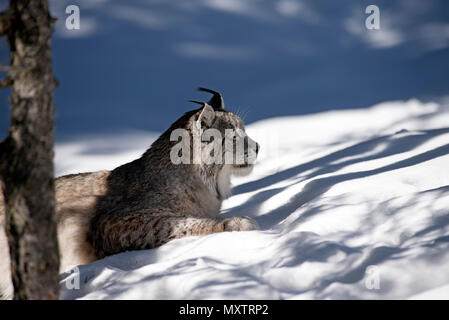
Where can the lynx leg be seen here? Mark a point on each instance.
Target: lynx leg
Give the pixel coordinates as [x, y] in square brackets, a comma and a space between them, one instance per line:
[200, 226]
[141, 231]
[240, 224]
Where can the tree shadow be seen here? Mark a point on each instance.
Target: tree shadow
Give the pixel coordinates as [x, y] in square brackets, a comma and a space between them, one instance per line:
[317, 187]
[325, 164]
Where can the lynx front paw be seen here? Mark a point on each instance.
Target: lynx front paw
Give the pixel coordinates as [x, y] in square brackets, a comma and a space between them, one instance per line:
[240, 224]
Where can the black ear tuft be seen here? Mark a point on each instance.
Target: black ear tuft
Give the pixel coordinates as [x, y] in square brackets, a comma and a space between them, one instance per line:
[216, 101]
[198, 102]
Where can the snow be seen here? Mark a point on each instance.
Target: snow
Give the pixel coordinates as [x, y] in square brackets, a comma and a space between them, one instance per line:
[352, 204]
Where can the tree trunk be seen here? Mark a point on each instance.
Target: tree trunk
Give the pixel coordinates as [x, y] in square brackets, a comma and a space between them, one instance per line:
[27, 153]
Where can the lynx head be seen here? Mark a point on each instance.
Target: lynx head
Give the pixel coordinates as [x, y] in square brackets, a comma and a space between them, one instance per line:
[217, 144]
[223, 137]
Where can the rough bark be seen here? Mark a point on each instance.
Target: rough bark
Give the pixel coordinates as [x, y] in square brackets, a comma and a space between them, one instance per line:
[27, 154]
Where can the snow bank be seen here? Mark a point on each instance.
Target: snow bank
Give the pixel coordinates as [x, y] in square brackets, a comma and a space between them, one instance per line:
[352, 204]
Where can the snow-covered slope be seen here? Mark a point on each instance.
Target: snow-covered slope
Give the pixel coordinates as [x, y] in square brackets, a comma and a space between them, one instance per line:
[351, 204]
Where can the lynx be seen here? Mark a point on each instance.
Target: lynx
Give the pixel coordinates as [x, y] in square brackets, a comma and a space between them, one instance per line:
[149, 201]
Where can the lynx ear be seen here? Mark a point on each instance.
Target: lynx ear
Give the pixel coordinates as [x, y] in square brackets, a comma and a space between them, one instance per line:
[207, 116]
[216, 101]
